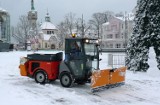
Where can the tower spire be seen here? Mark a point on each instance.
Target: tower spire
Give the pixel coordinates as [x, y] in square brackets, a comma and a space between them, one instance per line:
[32, 5]
[47, 18]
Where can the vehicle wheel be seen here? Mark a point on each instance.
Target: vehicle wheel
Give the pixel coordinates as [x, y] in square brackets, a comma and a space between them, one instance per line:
[40, 77]
[66, 80]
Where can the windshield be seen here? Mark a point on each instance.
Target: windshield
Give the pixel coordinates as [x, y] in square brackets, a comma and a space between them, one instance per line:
[90, 49]
[92, 59]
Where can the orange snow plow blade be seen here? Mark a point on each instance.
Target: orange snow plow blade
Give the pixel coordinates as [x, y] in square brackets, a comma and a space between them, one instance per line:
[23, 70]
[107, 77]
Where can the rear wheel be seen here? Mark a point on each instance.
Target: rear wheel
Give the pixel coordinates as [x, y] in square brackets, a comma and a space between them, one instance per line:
[40, 77]
[66, 79]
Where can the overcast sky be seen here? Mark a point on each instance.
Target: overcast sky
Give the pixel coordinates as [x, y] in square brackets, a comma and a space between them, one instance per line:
[58, 8]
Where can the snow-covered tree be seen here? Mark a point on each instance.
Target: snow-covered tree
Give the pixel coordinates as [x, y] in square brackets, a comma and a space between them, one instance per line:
[146, 34]
[20, 32]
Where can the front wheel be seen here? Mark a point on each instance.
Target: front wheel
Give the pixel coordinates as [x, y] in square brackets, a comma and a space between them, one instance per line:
[40, 77]
[66, 80]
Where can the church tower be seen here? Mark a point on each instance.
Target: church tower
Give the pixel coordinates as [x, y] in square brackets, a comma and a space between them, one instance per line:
[47, 18]
[32, 16]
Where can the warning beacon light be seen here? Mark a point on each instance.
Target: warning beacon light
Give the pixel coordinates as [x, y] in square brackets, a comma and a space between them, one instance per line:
[73, 35]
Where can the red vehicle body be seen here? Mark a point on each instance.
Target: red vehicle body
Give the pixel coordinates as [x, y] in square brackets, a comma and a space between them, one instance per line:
[42, 67]
[51, 68]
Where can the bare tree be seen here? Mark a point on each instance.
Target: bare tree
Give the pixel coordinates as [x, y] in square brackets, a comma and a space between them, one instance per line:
[98, 19]
[80, 26]
[20, 32]
[70, 21]
[23, 31]
[62, 32]
[108, 15]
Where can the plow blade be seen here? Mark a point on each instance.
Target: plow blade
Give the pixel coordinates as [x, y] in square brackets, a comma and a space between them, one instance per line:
[107, 77]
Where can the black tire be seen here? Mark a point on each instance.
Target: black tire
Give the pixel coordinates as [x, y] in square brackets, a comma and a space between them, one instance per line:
[66, 79]
[40, 77]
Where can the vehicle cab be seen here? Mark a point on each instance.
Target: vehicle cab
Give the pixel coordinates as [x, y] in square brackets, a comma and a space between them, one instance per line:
[81, 57]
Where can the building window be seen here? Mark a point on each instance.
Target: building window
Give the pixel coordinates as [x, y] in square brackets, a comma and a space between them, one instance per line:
[114, 27]
[118, 45]
[45, 45]
[124, 45]
[122, 26]
[50, 32]
[117, 35]
[110, 36]
[110, 45]
[39, 45]
[122, 35]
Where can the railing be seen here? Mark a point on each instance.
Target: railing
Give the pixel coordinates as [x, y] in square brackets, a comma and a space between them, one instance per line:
[114, 50]
[116, 60]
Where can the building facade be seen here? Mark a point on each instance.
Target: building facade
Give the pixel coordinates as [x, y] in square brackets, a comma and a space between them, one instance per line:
[117, 31]
[4, 26]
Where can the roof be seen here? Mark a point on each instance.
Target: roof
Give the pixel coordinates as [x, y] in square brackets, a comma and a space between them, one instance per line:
[120, 18]
[47, 25]
[50, 37]
[106, 24]
[2, 10]
[129, 16]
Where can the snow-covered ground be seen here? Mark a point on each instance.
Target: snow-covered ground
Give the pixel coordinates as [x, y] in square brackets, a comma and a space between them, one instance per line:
[140, 88]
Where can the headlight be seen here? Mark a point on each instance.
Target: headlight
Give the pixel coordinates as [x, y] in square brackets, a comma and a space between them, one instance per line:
[97, 41]
[87, 41]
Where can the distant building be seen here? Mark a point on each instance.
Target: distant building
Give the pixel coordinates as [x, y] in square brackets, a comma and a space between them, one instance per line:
[117, 31]
[32, 17]
[48, 35]
[4, 26]
[32, 40]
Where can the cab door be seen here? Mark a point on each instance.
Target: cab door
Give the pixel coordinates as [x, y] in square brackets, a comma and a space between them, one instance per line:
[74, 58]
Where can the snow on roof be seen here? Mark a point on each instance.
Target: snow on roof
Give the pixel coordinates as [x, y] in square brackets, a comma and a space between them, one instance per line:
[46, 37]
[40, 32]
[120, 18]
[33, 11]
[106, 24]
[47, 25]
[131, 16]
[2, 10]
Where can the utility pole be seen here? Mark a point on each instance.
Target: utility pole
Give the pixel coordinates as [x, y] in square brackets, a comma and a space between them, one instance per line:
[126, 34]
[82, 27]
[126, 30]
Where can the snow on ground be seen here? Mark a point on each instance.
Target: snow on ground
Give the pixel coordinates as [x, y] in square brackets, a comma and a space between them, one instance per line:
[140, 88]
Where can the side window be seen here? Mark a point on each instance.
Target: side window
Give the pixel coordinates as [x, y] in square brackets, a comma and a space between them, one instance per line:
[75, 46]
[73, 51]
[35, 65]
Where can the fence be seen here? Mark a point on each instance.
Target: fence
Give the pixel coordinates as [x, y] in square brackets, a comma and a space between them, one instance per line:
[116, 60]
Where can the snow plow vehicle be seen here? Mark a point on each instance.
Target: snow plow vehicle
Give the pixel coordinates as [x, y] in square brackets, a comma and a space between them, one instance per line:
[80, 65]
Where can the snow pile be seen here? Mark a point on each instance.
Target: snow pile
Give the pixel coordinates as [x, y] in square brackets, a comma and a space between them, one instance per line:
[140, 88]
